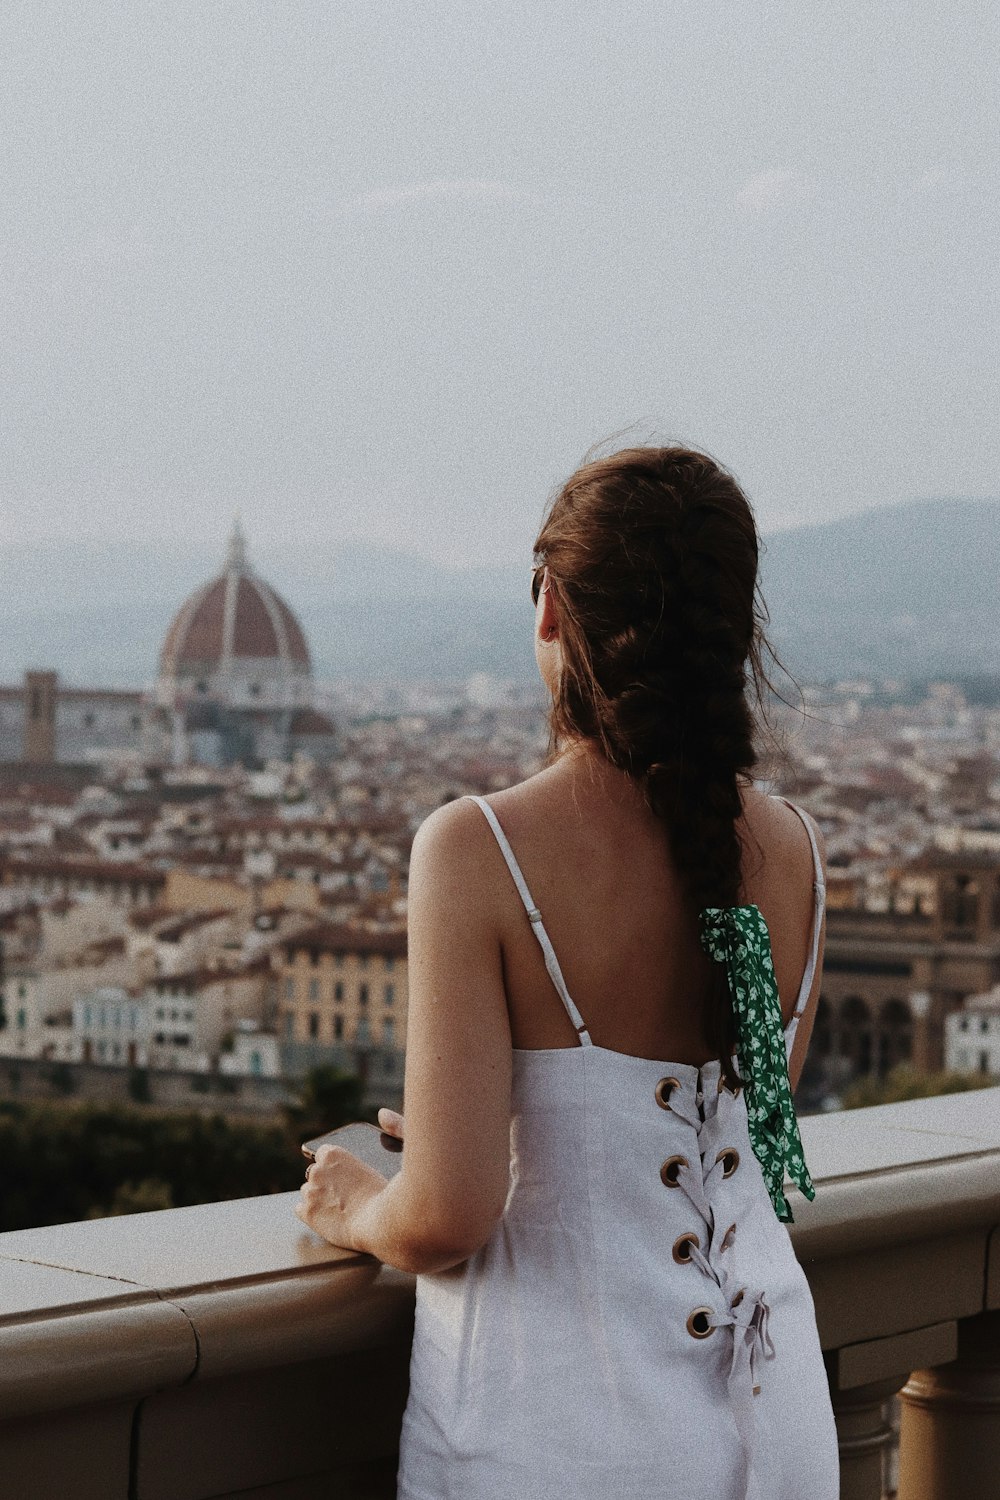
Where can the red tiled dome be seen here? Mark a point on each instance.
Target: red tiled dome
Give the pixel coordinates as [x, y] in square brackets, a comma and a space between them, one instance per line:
[237, 615]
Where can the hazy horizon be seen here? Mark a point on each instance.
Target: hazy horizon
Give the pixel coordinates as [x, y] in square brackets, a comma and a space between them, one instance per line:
[367, 274]
[890, 591]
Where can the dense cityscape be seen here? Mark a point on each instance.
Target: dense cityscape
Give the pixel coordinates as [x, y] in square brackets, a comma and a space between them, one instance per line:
[202, 929]
[203, 887]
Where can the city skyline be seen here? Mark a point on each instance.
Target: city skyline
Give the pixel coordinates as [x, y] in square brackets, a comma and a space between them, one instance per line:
[892, 592]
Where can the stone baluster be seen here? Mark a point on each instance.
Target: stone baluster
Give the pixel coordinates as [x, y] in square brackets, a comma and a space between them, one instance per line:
[864, 1435]
[949, 1440]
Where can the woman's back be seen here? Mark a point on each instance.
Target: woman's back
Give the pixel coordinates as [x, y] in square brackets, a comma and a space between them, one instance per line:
[599, 865]
[606, 1340]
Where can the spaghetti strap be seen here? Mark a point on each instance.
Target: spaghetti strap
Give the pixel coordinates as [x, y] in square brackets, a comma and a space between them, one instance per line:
[535, 918]
[819, 906]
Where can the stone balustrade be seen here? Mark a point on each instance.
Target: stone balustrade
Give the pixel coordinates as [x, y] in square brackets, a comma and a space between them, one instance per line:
[225, 1351]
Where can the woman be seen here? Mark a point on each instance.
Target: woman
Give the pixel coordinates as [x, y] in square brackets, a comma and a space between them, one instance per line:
[608, 1304]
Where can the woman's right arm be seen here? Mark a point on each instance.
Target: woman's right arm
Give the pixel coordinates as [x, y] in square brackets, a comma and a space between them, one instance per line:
[452, 1187]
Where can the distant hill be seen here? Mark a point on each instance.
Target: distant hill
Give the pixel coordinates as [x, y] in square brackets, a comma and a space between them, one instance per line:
[909, 589]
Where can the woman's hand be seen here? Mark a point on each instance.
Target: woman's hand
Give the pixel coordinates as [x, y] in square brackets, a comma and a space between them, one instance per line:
[337, 1188]
[390, 1122]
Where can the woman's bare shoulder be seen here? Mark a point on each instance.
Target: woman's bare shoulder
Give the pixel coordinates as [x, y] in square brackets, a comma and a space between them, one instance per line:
[519, 806]
[451, 829]
[777, 848]
[455, 874]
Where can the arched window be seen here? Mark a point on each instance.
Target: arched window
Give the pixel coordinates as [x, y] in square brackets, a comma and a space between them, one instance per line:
[822, 1037]
[895, 1043]
[855, 1026]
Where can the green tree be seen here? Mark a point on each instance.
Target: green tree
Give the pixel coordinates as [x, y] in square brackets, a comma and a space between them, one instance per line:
[138, 1086]
[67, 1161]
[327, 1098]
[62, 1079]
[142, 1197]
[905, 1082]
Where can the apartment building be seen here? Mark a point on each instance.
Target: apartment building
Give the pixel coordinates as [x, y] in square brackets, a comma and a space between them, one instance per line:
[893, 978]
[37, 998]
[341, 985]
[193, 1015]
[972, 1035]
[111, 1025]
[45, 876]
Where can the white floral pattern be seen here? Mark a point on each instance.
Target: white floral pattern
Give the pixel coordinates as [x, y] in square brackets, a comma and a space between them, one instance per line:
[737, 936]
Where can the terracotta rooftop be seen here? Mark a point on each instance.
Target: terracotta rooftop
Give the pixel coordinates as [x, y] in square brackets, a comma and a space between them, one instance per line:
[310, 721]
[110, 871]
[339, 937]
[149, 916]
[191, 980]
[172, 932]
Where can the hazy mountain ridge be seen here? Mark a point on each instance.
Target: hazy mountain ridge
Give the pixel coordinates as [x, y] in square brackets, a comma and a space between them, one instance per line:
[906, 589]
[909, 589]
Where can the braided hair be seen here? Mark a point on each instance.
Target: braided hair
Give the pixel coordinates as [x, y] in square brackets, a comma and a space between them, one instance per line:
[652, 560]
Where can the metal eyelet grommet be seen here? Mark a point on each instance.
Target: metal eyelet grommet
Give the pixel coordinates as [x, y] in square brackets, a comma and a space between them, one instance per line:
[683, 1245]
[728, 1237]
[738, 1298]
[698, 1325]
[670, 1169]
[664, 1089]
[730, 1159]
[728, 1088]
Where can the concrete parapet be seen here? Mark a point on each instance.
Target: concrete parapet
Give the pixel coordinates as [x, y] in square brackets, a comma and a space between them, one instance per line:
[209, 1352]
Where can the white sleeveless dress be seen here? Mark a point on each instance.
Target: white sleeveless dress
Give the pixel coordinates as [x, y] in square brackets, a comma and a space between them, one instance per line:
[637, 1325]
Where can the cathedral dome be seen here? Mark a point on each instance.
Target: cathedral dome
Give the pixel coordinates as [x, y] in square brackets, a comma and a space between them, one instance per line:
[236, 642]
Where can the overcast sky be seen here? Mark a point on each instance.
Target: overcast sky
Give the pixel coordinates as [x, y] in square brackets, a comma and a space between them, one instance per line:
[387, 270]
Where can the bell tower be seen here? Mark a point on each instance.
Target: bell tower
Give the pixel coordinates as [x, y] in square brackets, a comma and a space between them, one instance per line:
[40, 692]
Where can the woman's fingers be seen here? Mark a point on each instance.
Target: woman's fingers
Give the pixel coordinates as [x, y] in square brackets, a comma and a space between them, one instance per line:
[337, 1188]
[391, 1121]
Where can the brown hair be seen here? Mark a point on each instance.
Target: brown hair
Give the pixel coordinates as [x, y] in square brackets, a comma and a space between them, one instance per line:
[652, 560]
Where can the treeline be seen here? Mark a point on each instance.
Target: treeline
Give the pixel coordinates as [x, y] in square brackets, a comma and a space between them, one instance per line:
[906, 1082]
[62, 1161]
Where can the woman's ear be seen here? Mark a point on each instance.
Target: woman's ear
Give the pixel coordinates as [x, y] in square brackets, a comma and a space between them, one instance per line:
[548, 622]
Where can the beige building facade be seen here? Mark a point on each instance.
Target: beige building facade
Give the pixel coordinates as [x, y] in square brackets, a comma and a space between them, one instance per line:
[892, 978]
[338, 985]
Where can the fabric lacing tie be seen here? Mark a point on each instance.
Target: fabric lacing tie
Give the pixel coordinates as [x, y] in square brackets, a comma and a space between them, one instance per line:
[737, 936]
[747, 1316]
[752, 1340]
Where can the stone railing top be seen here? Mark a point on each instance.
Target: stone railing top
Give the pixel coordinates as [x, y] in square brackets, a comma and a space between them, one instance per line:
[118, 1307]
[178, 1248]
[111, 1308]
[886, 1174]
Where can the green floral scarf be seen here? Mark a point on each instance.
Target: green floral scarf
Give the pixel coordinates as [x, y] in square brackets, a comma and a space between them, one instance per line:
[737, 936]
